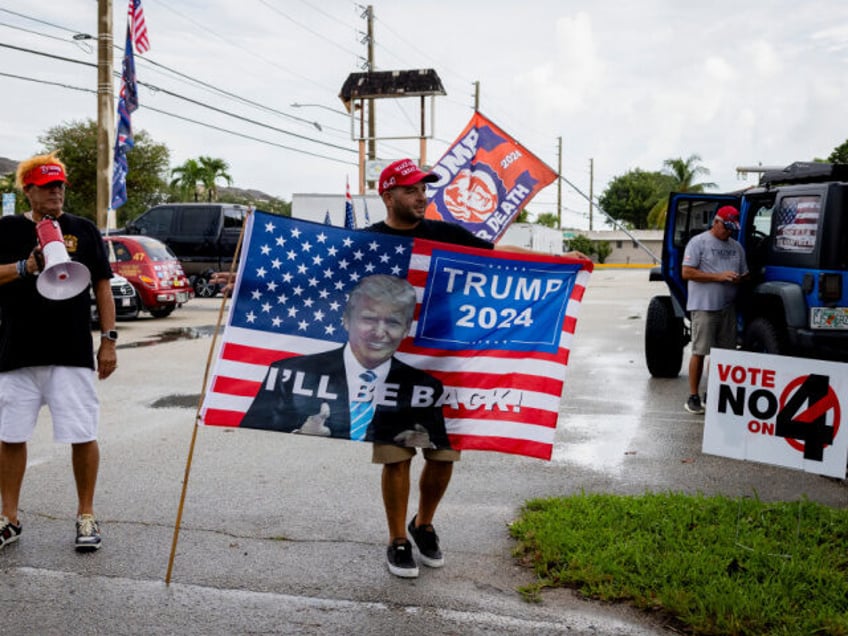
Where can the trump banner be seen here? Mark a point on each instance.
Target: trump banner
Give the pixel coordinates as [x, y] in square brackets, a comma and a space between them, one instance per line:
[777, 410]
[485, 179]
[375, 337]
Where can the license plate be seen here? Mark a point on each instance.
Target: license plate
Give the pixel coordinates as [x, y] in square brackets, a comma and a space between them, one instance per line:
[125, 302]
[182, 297]
[829, 317]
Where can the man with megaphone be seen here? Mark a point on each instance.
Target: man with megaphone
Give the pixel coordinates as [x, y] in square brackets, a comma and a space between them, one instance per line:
[48, 257]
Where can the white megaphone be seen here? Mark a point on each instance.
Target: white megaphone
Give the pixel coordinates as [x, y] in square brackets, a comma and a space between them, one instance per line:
[61, 278]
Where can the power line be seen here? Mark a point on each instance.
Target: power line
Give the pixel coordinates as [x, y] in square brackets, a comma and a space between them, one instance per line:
[188, 119]
[252, 138]
[158, 89]
[59, 84]
[27, 17]
[306, 28]
[50, 55]
[205, 29]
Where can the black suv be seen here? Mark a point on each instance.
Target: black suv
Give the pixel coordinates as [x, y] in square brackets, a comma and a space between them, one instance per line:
[794, 228]
[204, 236]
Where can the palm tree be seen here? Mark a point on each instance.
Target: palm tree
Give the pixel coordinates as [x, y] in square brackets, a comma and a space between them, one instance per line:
[186, 178]
[683, 175]
[212, 170]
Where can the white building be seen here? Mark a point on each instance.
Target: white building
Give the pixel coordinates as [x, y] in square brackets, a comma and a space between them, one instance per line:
[646, 249]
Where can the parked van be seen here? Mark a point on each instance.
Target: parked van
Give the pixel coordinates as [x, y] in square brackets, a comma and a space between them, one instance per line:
[202, 235]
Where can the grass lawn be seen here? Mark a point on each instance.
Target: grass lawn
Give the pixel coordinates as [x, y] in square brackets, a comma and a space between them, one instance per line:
[713, 565]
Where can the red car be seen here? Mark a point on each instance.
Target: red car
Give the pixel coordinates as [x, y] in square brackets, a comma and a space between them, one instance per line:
[152, 269]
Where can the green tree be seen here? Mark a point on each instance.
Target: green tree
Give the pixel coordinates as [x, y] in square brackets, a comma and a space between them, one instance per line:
[76, 144]
[214, 169]
[186, 178]
[839, 154]
[684, 173]
[630, 197]
[582, 243]
[602, 249]
[548, 219]
[272, 205]
[200, 175]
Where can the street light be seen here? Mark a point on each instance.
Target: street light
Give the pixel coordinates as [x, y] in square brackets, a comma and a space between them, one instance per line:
[332, 110]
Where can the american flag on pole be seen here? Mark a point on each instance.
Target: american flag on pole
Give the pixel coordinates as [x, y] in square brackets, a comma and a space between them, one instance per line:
[485, 179]
[350, 218]
[138, 27]
[494, 327]
[127, 104]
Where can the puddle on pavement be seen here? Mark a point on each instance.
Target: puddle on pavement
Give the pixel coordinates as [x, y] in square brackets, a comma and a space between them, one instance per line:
[177, 401]
[595, 441]
[173, 335]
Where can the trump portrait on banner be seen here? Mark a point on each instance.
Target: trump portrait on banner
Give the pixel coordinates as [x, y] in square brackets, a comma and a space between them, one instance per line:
[359, 391]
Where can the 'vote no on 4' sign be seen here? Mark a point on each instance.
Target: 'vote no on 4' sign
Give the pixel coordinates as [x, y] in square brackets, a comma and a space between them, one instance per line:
[778, 410]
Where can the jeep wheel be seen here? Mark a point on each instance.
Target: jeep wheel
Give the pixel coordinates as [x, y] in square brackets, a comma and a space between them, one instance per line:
[203, 287]
[763, 336]
[663, 339]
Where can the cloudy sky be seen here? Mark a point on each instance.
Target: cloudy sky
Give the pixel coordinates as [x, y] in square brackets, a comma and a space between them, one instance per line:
[624, 84]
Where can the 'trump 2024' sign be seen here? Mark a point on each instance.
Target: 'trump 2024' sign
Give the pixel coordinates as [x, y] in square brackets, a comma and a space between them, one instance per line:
[777, 410]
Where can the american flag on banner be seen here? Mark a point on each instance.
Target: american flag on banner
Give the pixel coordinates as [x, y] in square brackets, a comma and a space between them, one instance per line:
[127, 104]
[350, 218]
[485, 179]
[494, 327]
[138, 27]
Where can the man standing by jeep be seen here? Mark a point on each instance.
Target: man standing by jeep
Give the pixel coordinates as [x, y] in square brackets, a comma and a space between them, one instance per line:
[713, 264]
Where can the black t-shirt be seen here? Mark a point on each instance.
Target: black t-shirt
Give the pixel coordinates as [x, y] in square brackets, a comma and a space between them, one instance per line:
[35, 331]
[433, 230]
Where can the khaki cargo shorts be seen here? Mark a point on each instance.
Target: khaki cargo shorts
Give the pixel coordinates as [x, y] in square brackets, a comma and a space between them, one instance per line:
[391, 454]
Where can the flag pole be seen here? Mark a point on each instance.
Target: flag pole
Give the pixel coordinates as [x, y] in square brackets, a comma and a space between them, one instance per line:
[105, 121]
[181, 505]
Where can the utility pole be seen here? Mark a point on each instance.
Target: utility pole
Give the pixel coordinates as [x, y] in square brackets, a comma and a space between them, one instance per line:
[591, 188]
[105, 110]
[559, 183]
[372, 124]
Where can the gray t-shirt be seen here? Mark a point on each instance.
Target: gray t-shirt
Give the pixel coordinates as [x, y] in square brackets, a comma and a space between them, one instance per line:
[709, 254]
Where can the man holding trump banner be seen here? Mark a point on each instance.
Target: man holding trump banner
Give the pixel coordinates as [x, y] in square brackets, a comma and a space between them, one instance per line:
[477, 362]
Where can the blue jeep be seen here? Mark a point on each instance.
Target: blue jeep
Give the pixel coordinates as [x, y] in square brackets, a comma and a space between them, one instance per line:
[794, 228]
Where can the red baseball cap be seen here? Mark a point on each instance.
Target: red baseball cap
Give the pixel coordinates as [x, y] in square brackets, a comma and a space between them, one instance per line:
[44, 174]
[403, 172]
[729, 216]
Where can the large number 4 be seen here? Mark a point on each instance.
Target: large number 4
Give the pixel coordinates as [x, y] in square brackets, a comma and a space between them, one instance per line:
[807, 423]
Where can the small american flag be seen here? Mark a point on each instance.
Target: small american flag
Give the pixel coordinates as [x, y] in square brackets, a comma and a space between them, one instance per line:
[350, 219]
[494, 328]
[138, 27]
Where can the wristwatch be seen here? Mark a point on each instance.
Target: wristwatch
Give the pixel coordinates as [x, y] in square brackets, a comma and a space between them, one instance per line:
[110, 335]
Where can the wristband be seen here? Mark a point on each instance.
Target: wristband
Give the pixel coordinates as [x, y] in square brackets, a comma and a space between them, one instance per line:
[22, 269]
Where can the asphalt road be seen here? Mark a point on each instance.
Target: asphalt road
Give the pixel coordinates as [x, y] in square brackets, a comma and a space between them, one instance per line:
[284, 534]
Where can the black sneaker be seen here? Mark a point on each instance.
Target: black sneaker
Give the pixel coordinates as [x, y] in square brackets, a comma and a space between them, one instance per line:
[88, 534]
[9, 532]
[399, 559]
[693, 404]
[427, 540]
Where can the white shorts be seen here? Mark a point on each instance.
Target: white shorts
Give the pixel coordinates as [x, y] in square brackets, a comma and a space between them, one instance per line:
[67, 391]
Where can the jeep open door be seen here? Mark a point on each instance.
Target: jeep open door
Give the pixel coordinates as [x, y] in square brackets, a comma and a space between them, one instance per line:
[666, 328]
